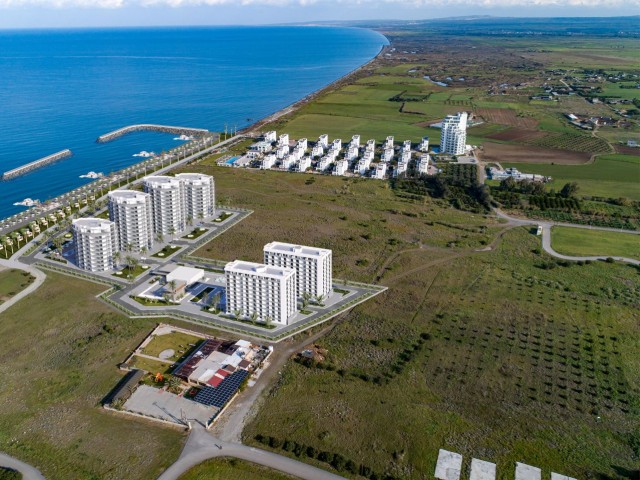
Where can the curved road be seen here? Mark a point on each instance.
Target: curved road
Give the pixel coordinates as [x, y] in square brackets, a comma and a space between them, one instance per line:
[202, 446]
[38, 274]
[546, 236]
[28, 472]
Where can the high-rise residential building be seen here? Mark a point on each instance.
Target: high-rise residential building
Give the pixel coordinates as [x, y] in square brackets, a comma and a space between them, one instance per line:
[263, 291]
[313, 266]
[453, 136]
[199, 195]
[167, 202]
[132, 214]
[96, 243]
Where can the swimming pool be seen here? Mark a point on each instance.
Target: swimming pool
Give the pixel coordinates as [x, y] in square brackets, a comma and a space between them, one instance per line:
[232, 160]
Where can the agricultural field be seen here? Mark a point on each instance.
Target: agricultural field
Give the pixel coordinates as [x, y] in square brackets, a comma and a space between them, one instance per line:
[608, 176]
[530, 155]
[544, 372]
[50, 414]
[12, 282]
[580, 242]
[232, 469]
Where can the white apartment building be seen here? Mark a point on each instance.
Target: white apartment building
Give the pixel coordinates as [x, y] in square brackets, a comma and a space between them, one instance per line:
[303, 144]
[371, 144]
[352, 153]
[363, 166]
[303, 164]
[288, 162]
[132, 213]
[324, 164]
[282, 152]
[167, 203]
[337, 144]
[355, 141]
[389, 142]
[423, 164]
[298, 153]
[313, 266]
[400, 169]
[424, 144]
[406, 146]
[323, 140]
[381, 171]
[387, 155]
[406, 156]
[96, 243]
[453, 137]
[199, 195]
[270, 136]
[283, 140]
[341, 167]
[268, 161]
[267, 291]
[368, 155]
[317, 151]
[333, 153]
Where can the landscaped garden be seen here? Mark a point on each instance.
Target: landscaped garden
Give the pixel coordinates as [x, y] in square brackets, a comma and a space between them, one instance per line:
[166, 251]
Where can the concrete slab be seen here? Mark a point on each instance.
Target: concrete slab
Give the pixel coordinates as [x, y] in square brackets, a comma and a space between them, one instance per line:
[558, 476]
[481, 470]
[449, 465]
[527, 472]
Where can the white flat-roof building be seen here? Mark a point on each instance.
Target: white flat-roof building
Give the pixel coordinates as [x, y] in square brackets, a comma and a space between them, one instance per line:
[381, 171]
[368, 155]
[283, 140]
[352, 152]
[363, 165]
[267, 291]
[303, 164]
[270, 136]
[268, 161]
[167, 203]
[406, 156]
[303, 144]
[406, 146]
[313, 266]
[337, 144]
[387, 155]
[96, 243]
[424, 144]
[132, 213]
[341, 167]
[423, 164]
[317, 151]
[323, 140]
[324, 164]
[355, 141]
[400, 169]
[186, 275]
[261, 147]
[298, 153]
[288, 162]
[453, 136]
[389, 142]
[283, 151]
[333, 153]
[199, 195]
[371, 144]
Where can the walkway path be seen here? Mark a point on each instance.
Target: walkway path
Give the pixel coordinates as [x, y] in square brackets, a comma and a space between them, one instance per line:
[546, 236]
[38, 274]
[202, 446]
[28, 472]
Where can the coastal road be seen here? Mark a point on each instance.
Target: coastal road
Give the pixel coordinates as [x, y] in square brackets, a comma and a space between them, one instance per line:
[202, 446]
[28, 472]
[38, 274]
[546, 236]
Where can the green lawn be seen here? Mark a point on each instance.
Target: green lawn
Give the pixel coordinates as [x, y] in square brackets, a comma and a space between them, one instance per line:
[582, 242]
[175, 341]
[195, 233]
[609, 176]
[131, 273]
[166, 251]
[12, 282]
[232, 469]
[51, 415]
[151, 366]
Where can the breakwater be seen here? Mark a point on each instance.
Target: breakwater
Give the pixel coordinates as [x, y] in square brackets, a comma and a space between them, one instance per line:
[16, 172]
[147, 127]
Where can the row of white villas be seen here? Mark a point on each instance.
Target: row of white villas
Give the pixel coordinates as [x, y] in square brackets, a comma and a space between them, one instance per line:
[325, 155]
[271, 289]
[136, 218]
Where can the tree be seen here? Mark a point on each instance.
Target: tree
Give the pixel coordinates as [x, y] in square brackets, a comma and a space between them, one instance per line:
[508, 184]
[189, 220]
[159, 237]
[319, 299]
[306, 296]
[132, 263]
[254, 317]
[172, 286]
[143, 250]
[174, 384]
[268, 320]
[117, 257]
[172, 232]
[238, 313]
[569, 190]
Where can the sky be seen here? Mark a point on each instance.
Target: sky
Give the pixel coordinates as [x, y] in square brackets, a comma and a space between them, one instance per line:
[123, 13]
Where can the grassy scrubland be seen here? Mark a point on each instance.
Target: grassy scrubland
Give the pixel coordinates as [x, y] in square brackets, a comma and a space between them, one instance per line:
[12, 282]
[232, 469]
[60, 349]
[580, 242]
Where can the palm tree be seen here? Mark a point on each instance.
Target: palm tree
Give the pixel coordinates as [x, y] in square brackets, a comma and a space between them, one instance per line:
[319, 299]
[238, 313]
[200, 216]
[132, 263]
[189, 220]
[174, 383]
[306, 296]
[159, 237]
[172, 232]
[268, 320]
[117, 257]
[172, 285]
[143, 251]
[254, 317]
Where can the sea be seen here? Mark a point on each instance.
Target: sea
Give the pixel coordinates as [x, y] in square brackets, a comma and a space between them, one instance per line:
[64, 88]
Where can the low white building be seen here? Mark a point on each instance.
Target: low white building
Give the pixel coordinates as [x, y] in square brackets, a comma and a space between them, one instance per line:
[297, 153]
[317, 151]
[323, 141]
[302, 144]
[400, 169]
[363, 166]
[352, 153]
[389, 142]
[423, 164]
[283, 140]
[368, 155]
[303, 164]
[288, 162]
[261, 147]
[337, 144]
[324, 164]
[355, 141]
[387, 155]
[186, 275]
[406, 146]
[313, 266]
[265, 291]
[268, 161]
[406, 156]
[341, 167]
[96, 244]
[371, 144]
[333, 153]
[283, 151]
[424, 144]
[381, 171]
[270, 136]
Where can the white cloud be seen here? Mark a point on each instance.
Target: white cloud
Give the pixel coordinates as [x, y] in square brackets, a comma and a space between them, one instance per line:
[114, 4]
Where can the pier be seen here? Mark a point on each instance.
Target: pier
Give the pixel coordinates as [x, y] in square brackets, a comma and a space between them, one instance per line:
[24, 169]
[146, 127]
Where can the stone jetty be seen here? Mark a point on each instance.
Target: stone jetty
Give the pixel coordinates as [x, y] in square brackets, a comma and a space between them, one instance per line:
[147, 127]
[16, 172]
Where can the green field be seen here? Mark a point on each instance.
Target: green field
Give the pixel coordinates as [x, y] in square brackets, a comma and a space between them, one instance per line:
[175, 341]
[609, 176]
[151, 366]
[12, 282]
[581, 242]
[232, 469]
[65, 346]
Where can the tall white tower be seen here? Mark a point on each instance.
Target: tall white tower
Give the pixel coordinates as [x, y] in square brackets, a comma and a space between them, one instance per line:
[453, 137]
[131, 211]
[96, 243]
[167, 202]
[199, 195]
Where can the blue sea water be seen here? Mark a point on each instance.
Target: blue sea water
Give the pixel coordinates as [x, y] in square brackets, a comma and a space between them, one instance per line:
[64, 88]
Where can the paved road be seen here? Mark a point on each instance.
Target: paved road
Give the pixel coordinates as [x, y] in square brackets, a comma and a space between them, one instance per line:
[28, 472]
[546, 236]
[38, 274]
[202, 446]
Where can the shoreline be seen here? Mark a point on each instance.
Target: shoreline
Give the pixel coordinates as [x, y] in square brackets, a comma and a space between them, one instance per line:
[293, 107]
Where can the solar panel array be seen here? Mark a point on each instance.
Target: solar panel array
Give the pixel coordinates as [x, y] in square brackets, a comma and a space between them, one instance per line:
[220, 395]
